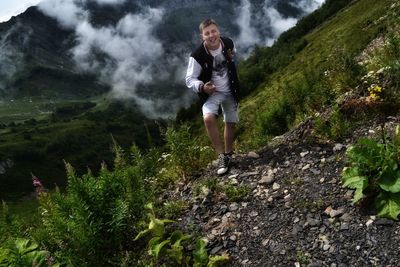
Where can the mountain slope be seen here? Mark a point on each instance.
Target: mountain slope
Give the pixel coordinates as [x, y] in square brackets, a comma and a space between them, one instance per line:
[295, 211]
[286, 205]
[35, 59]
[321, 71]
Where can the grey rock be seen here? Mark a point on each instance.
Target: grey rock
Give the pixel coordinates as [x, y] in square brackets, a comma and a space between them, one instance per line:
[296, 229]
[335, 213]
[215, 250]
[384, 222]
[276, 186]
[254, 214]
[253, 155]
[306, 167]
[346, 217]
[315, 171]
[267, 179]
[344, 226]
[313, 222]
[233, 207]
[326, 247]
[273, 216]
[338, 147]
[303, 154]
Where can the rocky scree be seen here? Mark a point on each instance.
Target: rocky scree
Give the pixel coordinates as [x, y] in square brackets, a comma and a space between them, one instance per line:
[296, 212]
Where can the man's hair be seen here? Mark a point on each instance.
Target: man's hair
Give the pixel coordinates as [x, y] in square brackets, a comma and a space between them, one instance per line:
[206, 23]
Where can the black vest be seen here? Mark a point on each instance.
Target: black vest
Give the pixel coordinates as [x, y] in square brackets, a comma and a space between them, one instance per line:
[205, 59]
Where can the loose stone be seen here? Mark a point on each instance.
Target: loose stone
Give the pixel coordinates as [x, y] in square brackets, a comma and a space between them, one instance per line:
[253, 155]
[276, 186]
[369, 222]
[306, 167]
[303, 154]
[216, 250]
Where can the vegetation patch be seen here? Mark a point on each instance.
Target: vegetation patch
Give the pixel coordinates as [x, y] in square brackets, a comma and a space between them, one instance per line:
[374, 173]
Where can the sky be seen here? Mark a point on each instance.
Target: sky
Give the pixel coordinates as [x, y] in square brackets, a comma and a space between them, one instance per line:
[9, 8]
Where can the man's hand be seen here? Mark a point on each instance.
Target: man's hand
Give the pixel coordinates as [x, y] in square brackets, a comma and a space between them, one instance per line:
[209, 88]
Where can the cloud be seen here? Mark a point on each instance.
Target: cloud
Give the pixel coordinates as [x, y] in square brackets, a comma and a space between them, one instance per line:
[273, 25]
[308, 6]
[125, 55]
[131, 51]
[277, 23]
[248, 35]
[110, 2]
[11, 59]
[67, 12]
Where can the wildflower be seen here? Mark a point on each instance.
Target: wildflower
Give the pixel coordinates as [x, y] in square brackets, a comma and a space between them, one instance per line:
[375, 92]
[39, 188]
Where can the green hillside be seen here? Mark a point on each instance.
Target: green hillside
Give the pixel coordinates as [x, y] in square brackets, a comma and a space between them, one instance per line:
[322, 68]
[79, 132]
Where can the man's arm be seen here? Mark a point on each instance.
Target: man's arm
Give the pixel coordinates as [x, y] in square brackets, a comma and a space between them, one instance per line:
[193, 72]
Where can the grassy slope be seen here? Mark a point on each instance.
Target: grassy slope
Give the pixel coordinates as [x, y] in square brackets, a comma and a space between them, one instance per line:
[347, 33]
[40, 147]
[38, 108]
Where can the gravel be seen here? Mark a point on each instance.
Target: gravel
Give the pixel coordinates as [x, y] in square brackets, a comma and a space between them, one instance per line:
[297, 212]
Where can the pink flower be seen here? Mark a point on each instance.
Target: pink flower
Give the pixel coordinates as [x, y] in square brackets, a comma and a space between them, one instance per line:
[37, 184]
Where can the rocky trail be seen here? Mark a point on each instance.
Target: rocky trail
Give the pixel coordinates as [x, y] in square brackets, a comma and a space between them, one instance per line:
[296, 211]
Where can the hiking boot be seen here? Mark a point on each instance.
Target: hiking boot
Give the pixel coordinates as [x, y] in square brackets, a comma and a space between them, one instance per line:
[223, 164]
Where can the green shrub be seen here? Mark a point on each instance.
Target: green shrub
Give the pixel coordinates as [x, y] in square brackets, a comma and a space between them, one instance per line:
[185, 154]
[236, 193]
[276, 120]
[92, 222]
[172, 249]
[21, 253]
[200, 188]
[336, 126]
[374, 173]
[173, 209]
[10, 225]
[391, 62]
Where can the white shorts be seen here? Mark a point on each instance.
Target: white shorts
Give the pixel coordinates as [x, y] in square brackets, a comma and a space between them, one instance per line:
[227, 103]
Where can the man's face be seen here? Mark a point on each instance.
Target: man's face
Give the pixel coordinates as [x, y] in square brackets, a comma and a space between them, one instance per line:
[211, 36]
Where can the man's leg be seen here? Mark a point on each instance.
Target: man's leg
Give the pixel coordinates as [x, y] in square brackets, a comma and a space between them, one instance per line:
[231, 117]
[211, 124]
[210, 111]
[229, 136]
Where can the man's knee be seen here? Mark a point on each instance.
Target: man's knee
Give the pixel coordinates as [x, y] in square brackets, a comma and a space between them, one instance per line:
[209, 119]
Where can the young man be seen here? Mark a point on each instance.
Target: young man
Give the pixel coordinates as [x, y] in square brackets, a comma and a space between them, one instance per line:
[212, 74]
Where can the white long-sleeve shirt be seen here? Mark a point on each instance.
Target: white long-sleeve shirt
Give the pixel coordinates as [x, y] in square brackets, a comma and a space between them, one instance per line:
[193, 72]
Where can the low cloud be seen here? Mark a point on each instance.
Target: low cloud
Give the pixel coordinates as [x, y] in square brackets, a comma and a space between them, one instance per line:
[308, 6]
[248, 35]
[274, 23]
[110, 2]
[277, 23]
[130, 50]
[69, 13]
[125, 55]
[11, 59]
